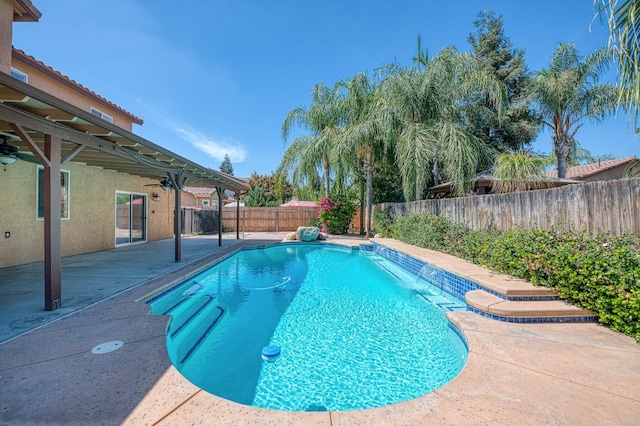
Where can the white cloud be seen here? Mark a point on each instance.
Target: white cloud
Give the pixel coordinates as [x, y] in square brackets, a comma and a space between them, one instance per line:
[212, 147]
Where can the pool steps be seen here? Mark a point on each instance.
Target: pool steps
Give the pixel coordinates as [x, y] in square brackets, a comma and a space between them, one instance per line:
[192, 326]
[172, 308]
[480, 300]
[497, 296]
[203, 335]
[193, 310]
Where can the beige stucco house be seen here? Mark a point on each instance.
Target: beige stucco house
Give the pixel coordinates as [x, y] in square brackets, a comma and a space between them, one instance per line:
[74, 178]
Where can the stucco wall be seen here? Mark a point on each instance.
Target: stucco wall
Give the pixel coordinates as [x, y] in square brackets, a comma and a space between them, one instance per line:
[91, 225]
[188, 200]
[38, 79]
[6, 34]
[611, 174]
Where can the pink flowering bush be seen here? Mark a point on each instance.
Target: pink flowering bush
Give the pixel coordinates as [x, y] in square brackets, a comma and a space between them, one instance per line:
[335, 214]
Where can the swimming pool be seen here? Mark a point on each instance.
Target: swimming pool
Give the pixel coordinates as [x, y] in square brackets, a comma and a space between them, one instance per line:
[354, 330]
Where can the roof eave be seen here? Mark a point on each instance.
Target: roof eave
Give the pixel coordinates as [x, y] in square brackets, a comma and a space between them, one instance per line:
[25, 11]
[205, 175]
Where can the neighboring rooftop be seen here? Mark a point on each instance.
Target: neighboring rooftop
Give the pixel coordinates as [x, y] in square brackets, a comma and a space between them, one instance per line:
[483, 183]
[588, 170]
[196, 190]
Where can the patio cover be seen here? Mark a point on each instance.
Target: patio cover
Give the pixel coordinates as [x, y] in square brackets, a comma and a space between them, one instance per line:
[56, 132]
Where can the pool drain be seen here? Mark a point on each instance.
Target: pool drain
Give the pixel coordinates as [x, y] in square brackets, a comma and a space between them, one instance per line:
[105, 348]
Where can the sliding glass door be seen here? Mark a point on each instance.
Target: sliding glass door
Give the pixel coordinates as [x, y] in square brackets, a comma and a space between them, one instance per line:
[131, 218]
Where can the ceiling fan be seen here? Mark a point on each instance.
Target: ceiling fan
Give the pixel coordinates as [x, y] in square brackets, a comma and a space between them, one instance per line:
[164, 184]
[9, 153]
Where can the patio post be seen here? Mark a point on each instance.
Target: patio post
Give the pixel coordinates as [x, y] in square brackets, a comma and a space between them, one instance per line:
[52, 227]
[237, 197]
[219, 191]
[177, 183]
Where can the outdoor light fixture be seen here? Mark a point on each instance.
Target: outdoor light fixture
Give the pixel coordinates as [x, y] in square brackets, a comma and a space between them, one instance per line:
[7, 159]
[155, 196]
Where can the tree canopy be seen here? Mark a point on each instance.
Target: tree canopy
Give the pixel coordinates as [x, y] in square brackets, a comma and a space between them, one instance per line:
[568, 93]
[516, 125]
[226, 166]
[445, 117]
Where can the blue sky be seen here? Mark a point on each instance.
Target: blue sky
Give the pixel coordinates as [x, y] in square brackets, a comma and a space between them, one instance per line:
[215, 77]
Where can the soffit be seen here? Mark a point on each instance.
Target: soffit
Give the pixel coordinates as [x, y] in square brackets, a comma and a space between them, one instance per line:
[105, 144]
[25, 11]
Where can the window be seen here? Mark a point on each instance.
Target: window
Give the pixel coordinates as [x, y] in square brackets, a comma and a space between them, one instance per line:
[64, 194]
[19, 75]
[205, 203]
[101, 114]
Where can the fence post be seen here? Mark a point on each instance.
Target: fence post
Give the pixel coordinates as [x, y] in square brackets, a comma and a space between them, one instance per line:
[277, 220]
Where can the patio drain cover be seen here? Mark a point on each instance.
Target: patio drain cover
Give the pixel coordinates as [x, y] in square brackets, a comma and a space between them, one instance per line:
[105, 348]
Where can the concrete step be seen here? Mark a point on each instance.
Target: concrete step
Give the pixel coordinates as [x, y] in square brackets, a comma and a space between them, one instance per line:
[493, 305]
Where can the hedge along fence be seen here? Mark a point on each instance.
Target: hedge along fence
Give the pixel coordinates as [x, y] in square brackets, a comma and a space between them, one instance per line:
[596, 207]
[268, 219]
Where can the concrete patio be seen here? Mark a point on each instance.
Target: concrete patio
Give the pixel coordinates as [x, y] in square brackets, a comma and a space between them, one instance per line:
[563, 374]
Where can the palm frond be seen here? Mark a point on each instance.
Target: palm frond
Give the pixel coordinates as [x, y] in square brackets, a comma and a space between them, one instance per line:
[519, 171]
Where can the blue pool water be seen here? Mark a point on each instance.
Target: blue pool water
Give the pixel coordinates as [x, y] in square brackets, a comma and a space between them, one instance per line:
[354, 330]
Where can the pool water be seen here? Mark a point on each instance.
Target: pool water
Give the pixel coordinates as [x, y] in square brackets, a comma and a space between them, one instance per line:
[355, 330]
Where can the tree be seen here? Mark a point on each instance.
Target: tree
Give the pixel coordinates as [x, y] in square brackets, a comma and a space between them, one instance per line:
[517, 124]
[632, 170]
[362, 138]
[519, 171]
[427, 125]
[226, 166]
[567, 94]
[387, 182]
[309, 152]
[258, 197]
[274, 189]
[623, 18]
[578, 156]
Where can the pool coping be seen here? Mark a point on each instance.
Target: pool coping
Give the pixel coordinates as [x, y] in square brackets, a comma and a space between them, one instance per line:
[531, 373]
[462, 321]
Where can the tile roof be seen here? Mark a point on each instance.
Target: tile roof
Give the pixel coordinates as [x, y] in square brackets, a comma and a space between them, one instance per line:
[71, 83]
[587, 170]
[195, 190]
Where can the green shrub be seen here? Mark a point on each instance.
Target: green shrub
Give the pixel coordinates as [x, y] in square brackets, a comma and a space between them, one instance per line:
[335, 214]
[382, 220]
[600, 273]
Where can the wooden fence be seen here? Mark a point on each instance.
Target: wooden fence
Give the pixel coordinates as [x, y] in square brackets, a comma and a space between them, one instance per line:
[268, 219]
[199, 221]
[607, 206]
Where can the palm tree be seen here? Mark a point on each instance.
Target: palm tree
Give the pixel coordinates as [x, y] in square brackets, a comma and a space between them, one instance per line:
[519, 171]
[578, 155]
[567, 94]
[422, 57]
[309, 152]
[362, 139]
[427, 121]
[632, 170]
[623, 17]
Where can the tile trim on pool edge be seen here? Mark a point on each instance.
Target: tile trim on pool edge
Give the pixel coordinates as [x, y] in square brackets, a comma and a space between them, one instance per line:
[459, 286]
